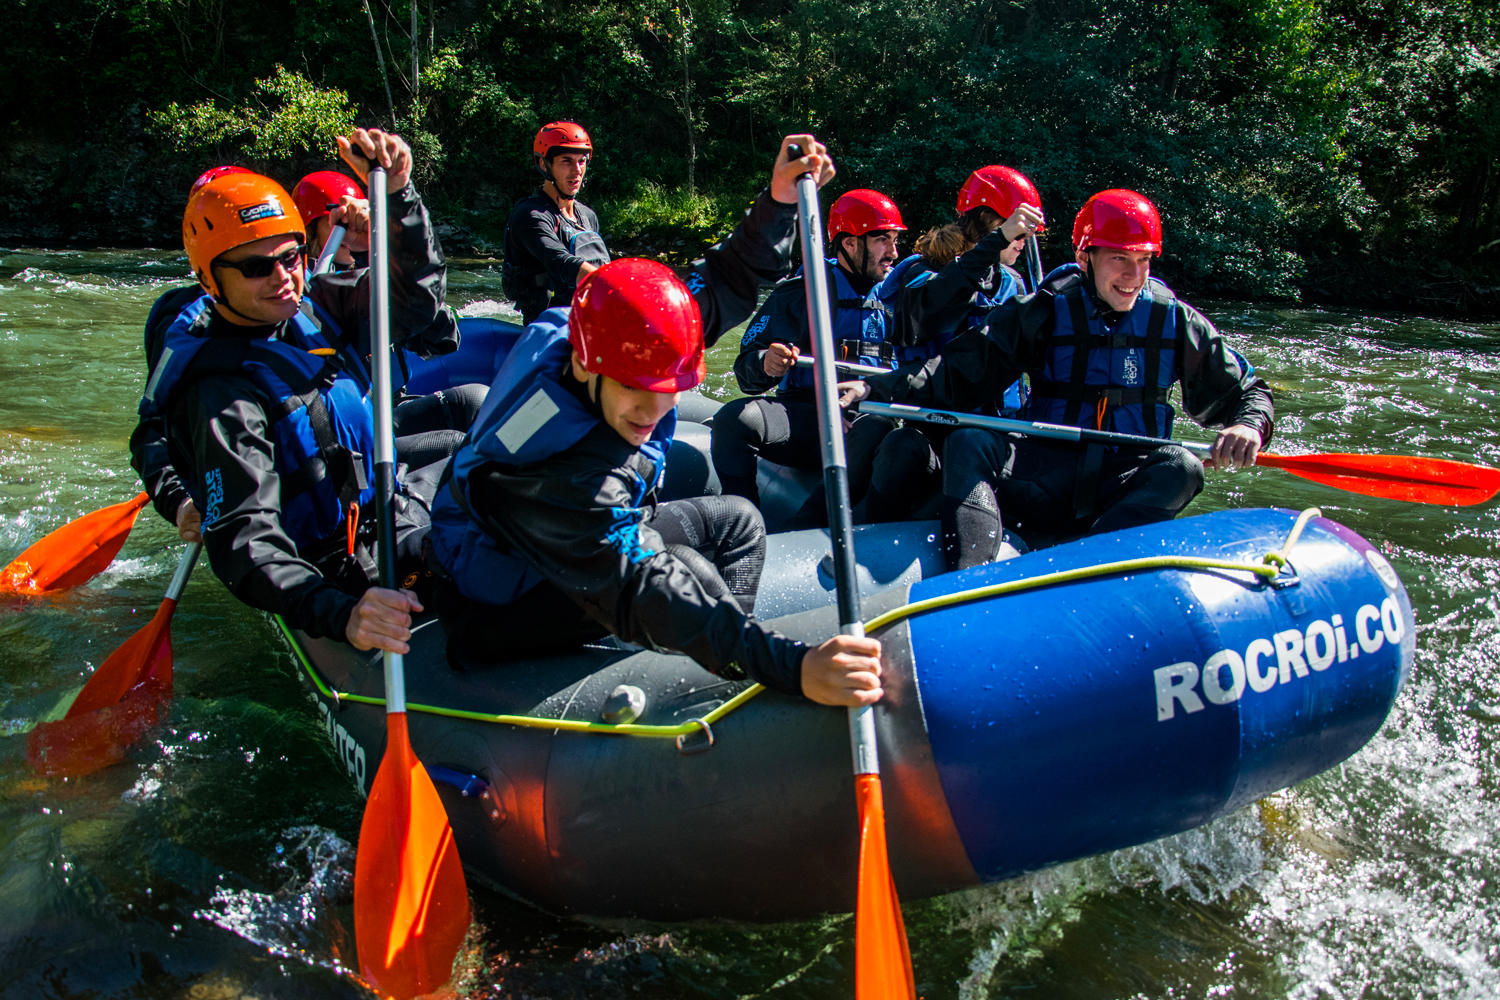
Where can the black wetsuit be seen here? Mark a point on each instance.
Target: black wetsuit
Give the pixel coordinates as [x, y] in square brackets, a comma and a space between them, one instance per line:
[543, 250]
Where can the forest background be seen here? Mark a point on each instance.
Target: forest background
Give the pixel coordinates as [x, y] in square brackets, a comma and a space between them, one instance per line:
[1311, 150]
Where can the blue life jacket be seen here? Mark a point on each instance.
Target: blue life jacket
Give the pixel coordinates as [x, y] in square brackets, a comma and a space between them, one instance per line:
[321, 426]
[1113, 379]
[527, 417]
[862, 324]
[978, 314]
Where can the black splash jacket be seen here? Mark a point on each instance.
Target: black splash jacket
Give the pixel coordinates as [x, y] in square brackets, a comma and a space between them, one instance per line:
[220, 422]
[1218, 389]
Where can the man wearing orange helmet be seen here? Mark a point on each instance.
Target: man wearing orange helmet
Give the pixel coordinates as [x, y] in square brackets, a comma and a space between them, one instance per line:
[257, 413]
[1103, 343]
[552, 242]
[549, 529]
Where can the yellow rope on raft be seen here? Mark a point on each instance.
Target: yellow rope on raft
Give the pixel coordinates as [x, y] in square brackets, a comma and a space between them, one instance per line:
[1269, 567]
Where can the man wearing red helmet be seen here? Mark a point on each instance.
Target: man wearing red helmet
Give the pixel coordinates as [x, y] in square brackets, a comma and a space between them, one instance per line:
[1103, 343]
[552, 241]
[864, 280]
[962, 272]
[257, 413]
[548, 529]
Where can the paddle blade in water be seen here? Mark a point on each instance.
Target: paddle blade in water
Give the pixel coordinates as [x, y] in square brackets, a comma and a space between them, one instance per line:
[1395, 477]
[82, 744]
[145, 655]
[411, 905]
[882, 962]
[73, 553]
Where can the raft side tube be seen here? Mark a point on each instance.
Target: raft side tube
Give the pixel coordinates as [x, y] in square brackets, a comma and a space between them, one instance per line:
[1084, 718]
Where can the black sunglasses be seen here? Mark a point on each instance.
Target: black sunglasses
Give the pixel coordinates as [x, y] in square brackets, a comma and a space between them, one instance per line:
[261, 267]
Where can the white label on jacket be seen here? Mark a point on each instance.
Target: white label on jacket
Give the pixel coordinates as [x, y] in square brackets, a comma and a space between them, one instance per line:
[529, 418]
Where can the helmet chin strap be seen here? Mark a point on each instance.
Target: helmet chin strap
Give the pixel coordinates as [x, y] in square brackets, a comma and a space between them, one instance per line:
[1108, 313]
[557, 188]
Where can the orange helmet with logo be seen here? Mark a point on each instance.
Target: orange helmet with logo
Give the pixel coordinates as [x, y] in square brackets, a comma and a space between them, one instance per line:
[230, 211]
[560, 135]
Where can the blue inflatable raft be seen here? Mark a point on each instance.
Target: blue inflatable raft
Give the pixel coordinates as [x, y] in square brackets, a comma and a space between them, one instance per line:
[1075, 700]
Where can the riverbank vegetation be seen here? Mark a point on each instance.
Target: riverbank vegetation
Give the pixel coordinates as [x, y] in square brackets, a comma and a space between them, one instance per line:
[1328, 150]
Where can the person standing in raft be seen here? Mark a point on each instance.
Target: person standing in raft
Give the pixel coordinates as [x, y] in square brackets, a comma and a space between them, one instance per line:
[256, 411]
[552, 241]
[864, 280]
[962, 272]
[549, 531]
[1103, 343]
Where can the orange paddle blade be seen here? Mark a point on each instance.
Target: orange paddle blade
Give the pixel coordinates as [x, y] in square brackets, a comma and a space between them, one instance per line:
[411, 905]
[145, 655]
[1395, 477]
[882, 961]
[73, 553]
[79, 745]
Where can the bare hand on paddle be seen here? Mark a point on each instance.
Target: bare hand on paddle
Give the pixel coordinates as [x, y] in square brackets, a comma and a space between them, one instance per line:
[364, 145]
[845, 670]
[189, 522]
[815, 160]
[354, 215]
[382, 620]
[1024, 221]
[852, 392]
[779, 359]
[1235, 448]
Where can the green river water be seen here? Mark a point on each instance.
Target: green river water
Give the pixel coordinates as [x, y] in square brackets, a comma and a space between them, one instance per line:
[214, 863]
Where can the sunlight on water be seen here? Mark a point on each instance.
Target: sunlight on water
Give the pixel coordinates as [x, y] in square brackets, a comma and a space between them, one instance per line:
[215, 860]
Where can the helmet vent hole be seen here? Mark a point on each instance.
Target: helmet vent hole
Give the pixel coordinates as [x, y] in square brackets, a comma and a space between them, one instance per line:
[208, 222]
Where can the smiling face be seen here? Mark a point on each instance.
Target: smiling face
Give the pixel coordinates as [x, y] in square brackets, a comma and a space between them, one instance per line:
[1012, 252]
[1119, 275]
[566, 171]
[255, 301]
[631, 413]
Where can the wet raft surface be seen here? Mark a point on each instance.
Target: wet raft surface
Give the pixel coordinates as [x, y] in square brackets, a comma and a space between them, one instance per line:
[214, 861]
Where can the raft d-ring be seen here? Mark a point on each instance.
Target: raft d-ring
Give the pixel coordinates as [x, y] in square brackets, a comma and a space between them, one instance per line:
[696, 747]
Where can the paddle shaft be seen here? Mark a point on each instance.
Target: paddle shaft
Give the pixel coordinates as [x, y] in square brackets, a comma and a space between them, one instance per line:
[1034, 261]
[331, 247]
[1055, 432]
[831, 441]
[385, 441]
[844, 366]
[184, 570]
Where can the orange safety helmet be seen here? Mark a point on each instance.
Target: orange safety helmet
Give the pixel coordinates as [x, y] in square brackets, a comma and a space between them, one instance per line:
[862, 211]
[319, 193]
[1001, 189]
[635, 321]
[560, 135]
[1118, 219]
[229, 211]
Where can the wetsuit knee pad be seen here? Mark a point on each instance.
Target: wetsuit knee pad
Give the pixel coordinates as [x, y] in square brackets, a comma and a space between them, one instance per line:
[707, 575]
[461, 404]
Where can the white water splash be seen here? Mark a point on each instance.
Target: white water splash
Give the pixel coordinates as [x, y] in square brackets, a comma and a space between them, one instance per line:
[497, 308]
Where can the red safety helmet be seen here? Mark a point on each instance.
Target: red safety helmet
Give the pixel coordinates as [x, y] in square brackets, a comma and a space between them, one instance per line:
[211, 173]
[1118, 219]
[1001, 189]
[319, 193]
[635, 321]
[231, 210]
[560, 135]
[862, 211]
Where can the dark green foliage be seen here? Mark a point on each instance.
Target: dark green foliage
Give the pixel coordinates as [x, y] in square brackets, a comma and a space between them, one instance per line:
[1289, 143]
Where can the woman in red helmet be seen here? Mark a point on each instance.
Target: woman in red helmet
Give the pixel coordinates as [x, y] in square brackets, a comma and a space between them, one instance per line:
[1103, 343]
[963, 271]
[552, 241]
[548, 529]
[327, 198]
[256, 412]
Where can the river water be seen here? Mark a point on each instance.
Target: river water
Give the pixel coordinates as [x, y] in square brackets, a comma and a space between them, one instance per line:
[213, 863]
